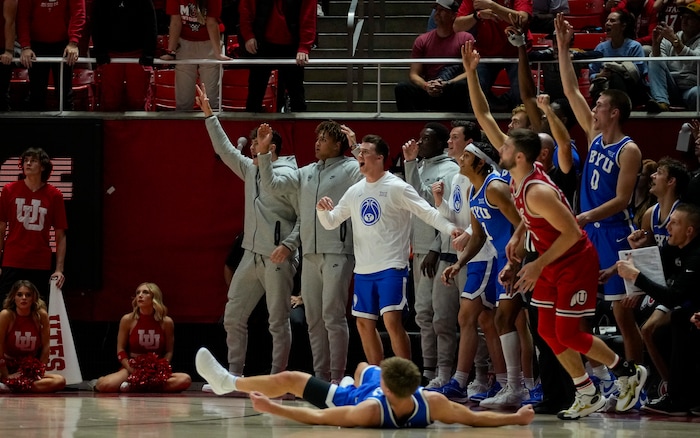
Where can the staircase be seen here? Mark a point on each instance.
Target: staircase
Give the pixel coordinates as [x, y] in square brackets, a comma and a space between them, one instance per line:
[394, 33]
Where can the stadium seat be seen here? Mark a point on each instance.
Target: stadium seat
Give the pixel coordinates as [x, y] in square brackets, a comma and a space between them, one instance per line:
[235, 91]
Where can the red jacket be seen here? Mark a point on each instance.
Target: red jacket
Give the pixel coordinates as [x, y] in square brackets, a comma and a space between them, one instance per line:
[276, 31]
[50, 21]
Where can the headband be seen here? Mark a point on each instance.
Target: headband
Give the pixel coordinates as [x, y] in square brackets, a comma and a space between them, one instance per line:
[479, 153]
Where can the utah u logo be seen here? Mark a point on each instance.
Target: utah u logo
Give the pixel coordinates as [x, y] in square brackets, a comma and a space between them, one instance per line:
[579, 298]
[25, 342]
[370, 211]
[150, 340]
[31, 216]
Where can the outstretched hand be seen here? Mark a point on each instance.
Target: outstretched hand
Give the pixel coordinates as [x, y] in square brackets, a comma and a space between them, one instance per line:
[261, 403]
[202, 100]
[564, 31]
[470, 57]
[264, 138]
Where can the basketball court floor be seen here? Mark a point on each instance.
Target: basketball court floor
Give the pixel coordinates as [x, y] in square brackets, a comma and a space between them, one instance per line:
[193, 414]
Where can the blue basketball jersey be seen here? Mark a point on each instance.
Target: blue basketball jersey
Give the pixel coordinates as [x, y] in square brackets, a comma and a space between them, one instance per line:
[419, 418]
[600, 174]
[658, 227]
[497, 227]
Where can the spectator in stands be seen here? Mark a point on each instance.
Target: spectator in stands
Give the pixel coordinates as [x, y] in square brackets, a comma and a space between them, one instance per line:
[609, 176]
[668, 183]
[124, 87]
[24, 342]
[619, 30]
[328, 257]
[49, 29]
[675, 81]
[7, 42]
[668, 12]
[194, 34]
[277, 29]
[145, 343]
[543, 13]
[643, 198]
[270, 240]
[488, 19]
[692, 193]
[436, 304]
[30, 207]
[681, 262]
[645, 18]
[380, 208]
[436, 87]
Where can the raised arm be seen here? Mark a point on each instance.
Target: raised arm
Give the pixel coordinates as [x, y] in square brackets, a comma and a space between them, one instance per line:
[560, 134]
[480, 106]
[528, 89]
[278, 182]
[564, 32]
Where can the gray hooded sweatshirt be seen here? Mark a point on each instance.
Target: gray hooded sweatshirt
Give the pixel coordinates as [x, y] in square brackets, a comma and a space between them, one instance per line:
[271, 219]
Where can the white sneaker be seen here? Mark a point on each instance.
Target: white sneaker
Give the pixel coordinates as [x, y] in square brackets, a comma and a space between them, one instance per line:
[125, 387]
[436, 383]
[4, 388]
[583, 405]
[207, 388]
[506, 397]
[476, 388]
[319, 10]
[218, 377]
[630, 389]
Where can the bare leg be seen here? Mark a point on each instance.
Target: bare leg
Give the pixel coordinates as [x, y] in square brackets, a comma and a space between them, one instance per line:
[111, 382]
[397, 333]
[630, 332]
[275, 385]
[469, 311]
[655, 321]
[371, 342]
[178, 382]
[50, 383]
[493, 342]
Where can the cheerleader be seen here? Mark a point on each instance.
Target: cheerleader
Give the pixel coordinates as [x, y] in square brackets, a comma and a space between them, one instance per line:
[145, 347]
[24, 342]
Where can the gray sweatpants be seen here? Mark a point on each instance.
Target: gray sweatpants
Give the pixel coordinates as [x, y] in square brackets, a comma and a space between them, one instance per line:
[256, 276]
[186, 74]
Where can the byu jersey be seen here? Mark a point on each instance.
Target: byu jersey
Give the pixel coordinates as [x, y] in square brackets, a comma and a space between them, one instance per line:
[497, 227]
[658, 227]
[600, 174]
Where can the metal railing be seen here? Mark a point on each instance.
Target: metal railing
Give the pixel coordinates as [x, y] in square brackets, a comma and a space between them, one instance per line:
[350, 63]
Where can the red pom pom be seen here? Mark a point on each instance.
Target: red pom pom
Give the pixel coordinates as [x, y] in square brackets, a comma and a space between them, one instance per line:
[150, 373]
[29, 369]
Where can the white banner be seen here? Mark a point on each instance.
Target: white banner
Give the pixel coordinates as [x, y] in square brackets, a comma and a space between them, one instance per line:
[63, 359]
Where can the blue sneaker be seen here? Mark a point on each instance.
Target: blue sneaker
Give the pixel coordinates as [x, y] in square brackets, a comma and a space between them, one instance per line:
[607, 386]
[453, 391]
[643, 399]
[535, 395]
[484, 395]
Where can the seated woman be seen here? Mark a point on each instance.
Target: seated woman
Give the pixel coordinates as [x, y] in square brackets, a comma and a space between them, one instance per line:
[147, 333]
[24, 342]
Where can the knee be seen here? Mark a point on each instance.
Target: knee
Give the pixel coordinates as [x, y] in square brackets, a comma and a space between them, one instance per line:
[104, 385]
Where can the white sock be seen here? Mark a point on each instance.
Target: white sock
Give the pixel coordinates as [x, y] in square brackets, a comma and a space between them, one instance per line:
[510, 343]
[444, 373]
[529, 382]
[461, 377]
[601, 372]
[502, 379]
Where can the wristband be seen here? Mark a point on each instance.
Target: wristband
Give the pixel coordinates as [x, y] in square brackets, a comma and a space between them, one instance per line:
[122, 355]
[476, 16]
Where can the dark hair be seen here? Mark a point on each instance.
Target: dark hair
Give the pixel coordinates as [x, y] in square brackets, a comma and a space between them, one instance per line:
[401, 376]
[276, 139]
[693, 212]
[491, 152]
[380, 146]
[526, 141]
[470, 130]
[442, 134]
[678, 171]
[620, 100]
[629, 24]
[43, 158]
[334, 131]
